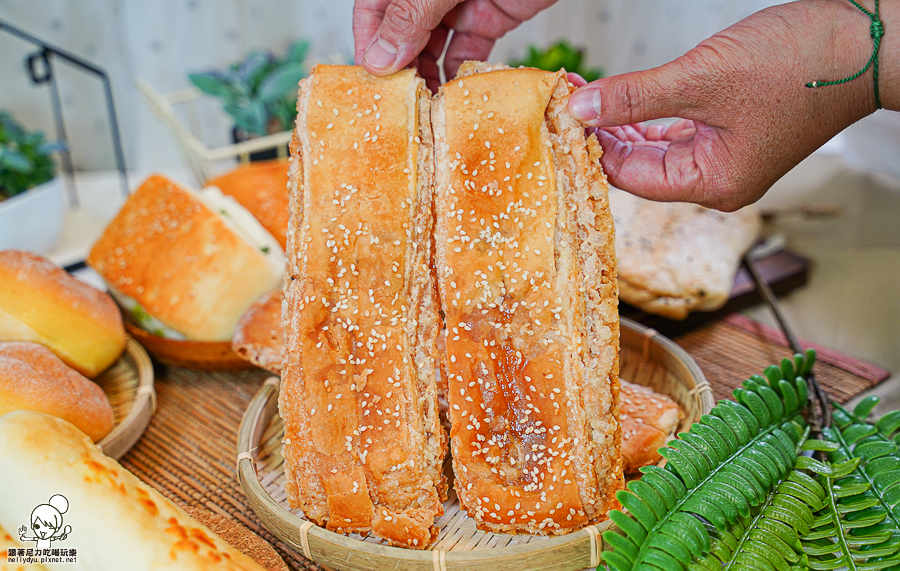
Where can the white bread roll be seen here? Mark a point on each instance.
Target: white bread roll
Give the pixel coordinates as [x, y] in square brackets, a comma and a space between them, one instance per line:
[117, 522]
[33, 378]
[41, 302]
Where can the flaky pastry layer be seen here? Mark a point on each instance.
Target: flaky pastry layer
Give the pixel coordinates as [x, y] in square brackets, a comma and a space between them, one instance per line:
[526, 273]
[363, 446]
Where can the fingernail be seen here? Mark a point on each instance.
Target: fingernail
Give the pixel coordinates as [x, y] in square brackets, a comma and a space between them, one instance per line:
[380, 55]
[584, 104]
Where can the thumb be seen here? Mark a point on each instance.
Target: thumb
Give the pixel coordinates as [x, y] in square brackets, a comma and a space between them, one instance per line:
[403, 33]
[632, 97]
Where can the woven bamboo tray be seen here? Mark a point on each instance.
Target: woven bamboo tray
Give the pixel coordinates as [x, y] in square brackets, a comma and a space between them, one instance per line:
[128, 384]
[647, 358]
[202, 355]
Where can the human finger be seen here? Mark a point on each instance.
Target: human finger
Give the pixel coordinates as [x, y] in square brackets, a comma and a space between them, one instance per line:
[403, 33]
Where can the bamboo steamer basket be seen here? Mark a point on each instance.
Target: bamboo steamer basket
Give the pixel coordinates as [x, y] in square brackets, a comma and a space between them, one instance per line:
[646, 358]
[128, 384]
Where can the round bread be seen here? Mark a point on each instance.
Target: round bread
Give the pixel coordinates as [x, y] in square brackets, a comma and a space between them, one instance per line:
[33, 378]
[41, 302]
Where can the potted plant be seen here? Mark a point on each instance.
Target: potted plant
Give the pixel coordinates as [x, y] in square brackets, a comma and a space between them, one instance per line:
[259, 93]
[31, 195]
[558, 56]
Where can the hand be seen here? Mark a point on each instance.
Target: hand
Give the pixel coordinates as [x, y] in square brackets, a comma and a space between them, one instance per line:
[747, 117]
[22, 531]
[391, 34]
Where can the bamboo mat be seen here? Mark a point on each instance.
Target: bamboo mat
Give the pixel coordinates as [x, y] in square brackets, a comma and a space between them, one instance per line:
[188, 452]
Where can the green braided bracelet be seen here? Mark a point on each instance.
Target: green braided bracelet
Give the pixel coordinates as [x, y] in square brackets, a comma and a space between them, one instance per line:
[876, 30]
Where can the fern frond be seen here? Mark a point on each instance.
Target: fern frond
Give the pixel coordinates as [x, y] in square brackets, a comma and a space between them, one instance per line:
[770, 538]
[860, 526]
[717, 475]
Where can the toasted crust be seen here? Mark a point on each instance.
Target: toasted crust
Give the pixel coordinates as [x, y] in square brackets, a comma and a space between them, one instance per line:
[41, 302]
[648, 420]
[526, 273]
[181, 262]
[259, 335]
[363, 446]
[676, 257]
[33, 378]
[261, 188]
[120, 522]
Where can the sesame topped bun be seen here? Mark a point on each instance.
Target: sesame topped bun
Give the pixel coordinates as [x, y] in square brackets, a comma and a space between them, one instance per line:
[183, 264]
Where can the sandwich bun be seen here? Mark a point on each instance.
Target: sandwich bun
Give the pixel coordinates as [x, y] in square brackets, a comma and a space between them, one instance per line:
[186, 265]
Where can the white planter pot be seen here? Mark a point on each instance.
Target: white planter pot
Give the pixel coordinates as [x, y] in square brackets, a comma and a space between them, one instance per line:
[33, 220]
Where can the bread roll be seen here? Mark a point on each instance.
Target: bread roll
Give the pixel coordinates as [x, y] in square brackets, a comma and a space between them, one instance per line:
[258, 337]
[363, 446]
[117, 522]
[261, 188]
[188, 264]
[526, 273]
[33, 378]
[41, 302]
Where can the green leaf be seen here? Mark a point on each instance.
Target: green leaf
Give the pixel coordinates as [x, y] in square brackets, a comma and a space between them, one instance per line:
[773, 402]
[282, 83]
[787, 369]
[808, 362]
[623, 546]
[865, 406]
[789, 394]
[889, 423]
[756, 405]
[820, 445]
[638, 508]
[721, 428]
[297, 51]
[211, 83]
[629, 526]
[856, 432]
[774, 374]
[251, 117]
[15, 161]
[616, 561]
[875, 449]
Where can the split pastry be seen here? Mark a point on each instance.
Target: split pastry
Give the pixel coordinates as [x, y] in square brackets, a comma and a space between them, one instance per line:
[363, 446]
[676, 257]
[526, 272]
[258, 336]
[649, 419]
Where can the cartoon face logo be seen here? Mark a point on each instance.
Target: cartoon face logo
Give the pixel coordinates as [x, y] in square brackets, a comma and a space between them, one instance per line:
[47, 523]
